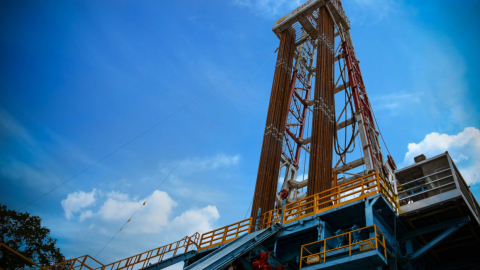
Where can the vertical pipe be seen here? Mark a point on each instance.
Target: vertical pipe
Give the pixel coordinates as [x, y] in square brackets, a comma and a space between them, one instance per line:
[269, 165]
[323, 119]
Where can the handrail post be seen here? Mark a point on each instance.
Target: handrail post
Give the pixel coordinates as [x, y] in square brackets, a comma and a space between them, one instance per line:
[225, 231]
[301, 256]
[337, 195]
[379, 183]
[258, 218]
[83, 262]
[384, 246]
[283, 211]
[349, 244]
[324, 250]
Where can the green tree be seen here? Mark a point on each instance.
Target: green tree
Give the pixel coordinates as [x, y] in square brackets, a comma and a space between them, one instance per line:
[24, 233]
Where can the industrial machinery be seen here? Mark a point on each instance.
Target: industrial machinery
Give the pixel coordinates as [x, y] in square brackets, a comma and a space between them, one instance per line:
[358, 211]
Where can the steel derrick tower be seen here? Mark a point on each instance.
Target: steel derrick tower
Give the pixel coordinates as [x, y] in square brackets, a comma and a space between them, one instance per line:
[318, 98]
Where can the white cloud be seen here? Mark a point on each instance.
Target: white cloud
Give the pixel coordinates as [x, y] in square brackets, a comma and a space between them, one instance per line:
[396, 102]
[463, 147]
[86, 214]
[196, 220]
[154, 217]
[76, 201]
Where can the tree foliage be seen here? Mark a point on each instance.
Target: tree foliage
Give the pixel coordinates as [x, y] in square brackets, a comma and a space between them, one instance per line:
[24, 233]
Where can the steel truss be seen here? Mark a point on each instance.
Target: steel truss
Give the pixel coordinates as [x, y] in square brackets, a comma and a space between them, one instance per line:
[358, 122]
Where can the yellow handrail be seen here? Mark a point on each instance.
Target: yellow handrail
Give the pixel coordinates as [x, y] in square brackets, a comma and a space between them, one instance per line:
[322, 254]
[127, 263]
[20, 255]
[75, 263]
[207, 240]
[269, 218]
[358, 189]
[224, 235]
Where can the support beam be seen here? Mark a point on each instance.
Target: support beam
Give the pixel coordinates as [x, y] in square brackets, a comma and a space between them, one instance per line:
[339, 126]
[345, 123]
[369, 220]
[305, 141]
[342, 87]
[308, 27]
[435, 241]
[436, 227]
[338, 57]
[351, 178]
[354, 164]
[306, 149]
[298, 184]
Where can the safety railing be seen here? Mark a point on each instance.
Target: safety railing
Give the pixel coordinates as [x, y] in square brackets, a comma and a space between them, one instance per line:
[360, 188]
[225, 234]
[207, 240]
[359, 240]
[389, 192]
[158, 254]
[269, 218]
[467, 193]
[426, 186]
[2, 245]
[83, 262]
[140, 260]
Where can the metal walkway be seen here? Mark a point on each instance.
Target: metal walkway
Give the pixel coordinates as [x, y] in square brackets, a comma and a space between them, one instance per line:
[231, 251]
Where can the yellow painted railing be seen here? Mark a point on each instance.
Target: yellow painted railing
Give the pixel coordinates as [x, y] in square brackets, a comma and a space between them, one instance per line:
[128, 263]
[224, 235]
[2, 245]
[388, 193]
[77, 263]
[269, 218]
[206, 240]
[310, 256]
[358, 189]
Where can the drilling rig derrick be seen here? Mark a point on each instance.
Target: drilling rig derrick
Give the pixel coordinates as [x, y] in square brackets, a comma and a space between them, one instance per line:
[358, 211]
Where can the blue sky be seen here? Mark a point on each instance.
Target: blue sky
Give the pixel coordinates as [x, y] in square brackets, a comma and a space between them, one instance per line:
[78, 79]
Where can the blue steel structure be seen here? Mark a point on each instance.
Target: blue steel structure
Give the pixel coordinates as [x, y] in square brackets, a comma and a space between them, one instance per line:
[364, 234]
